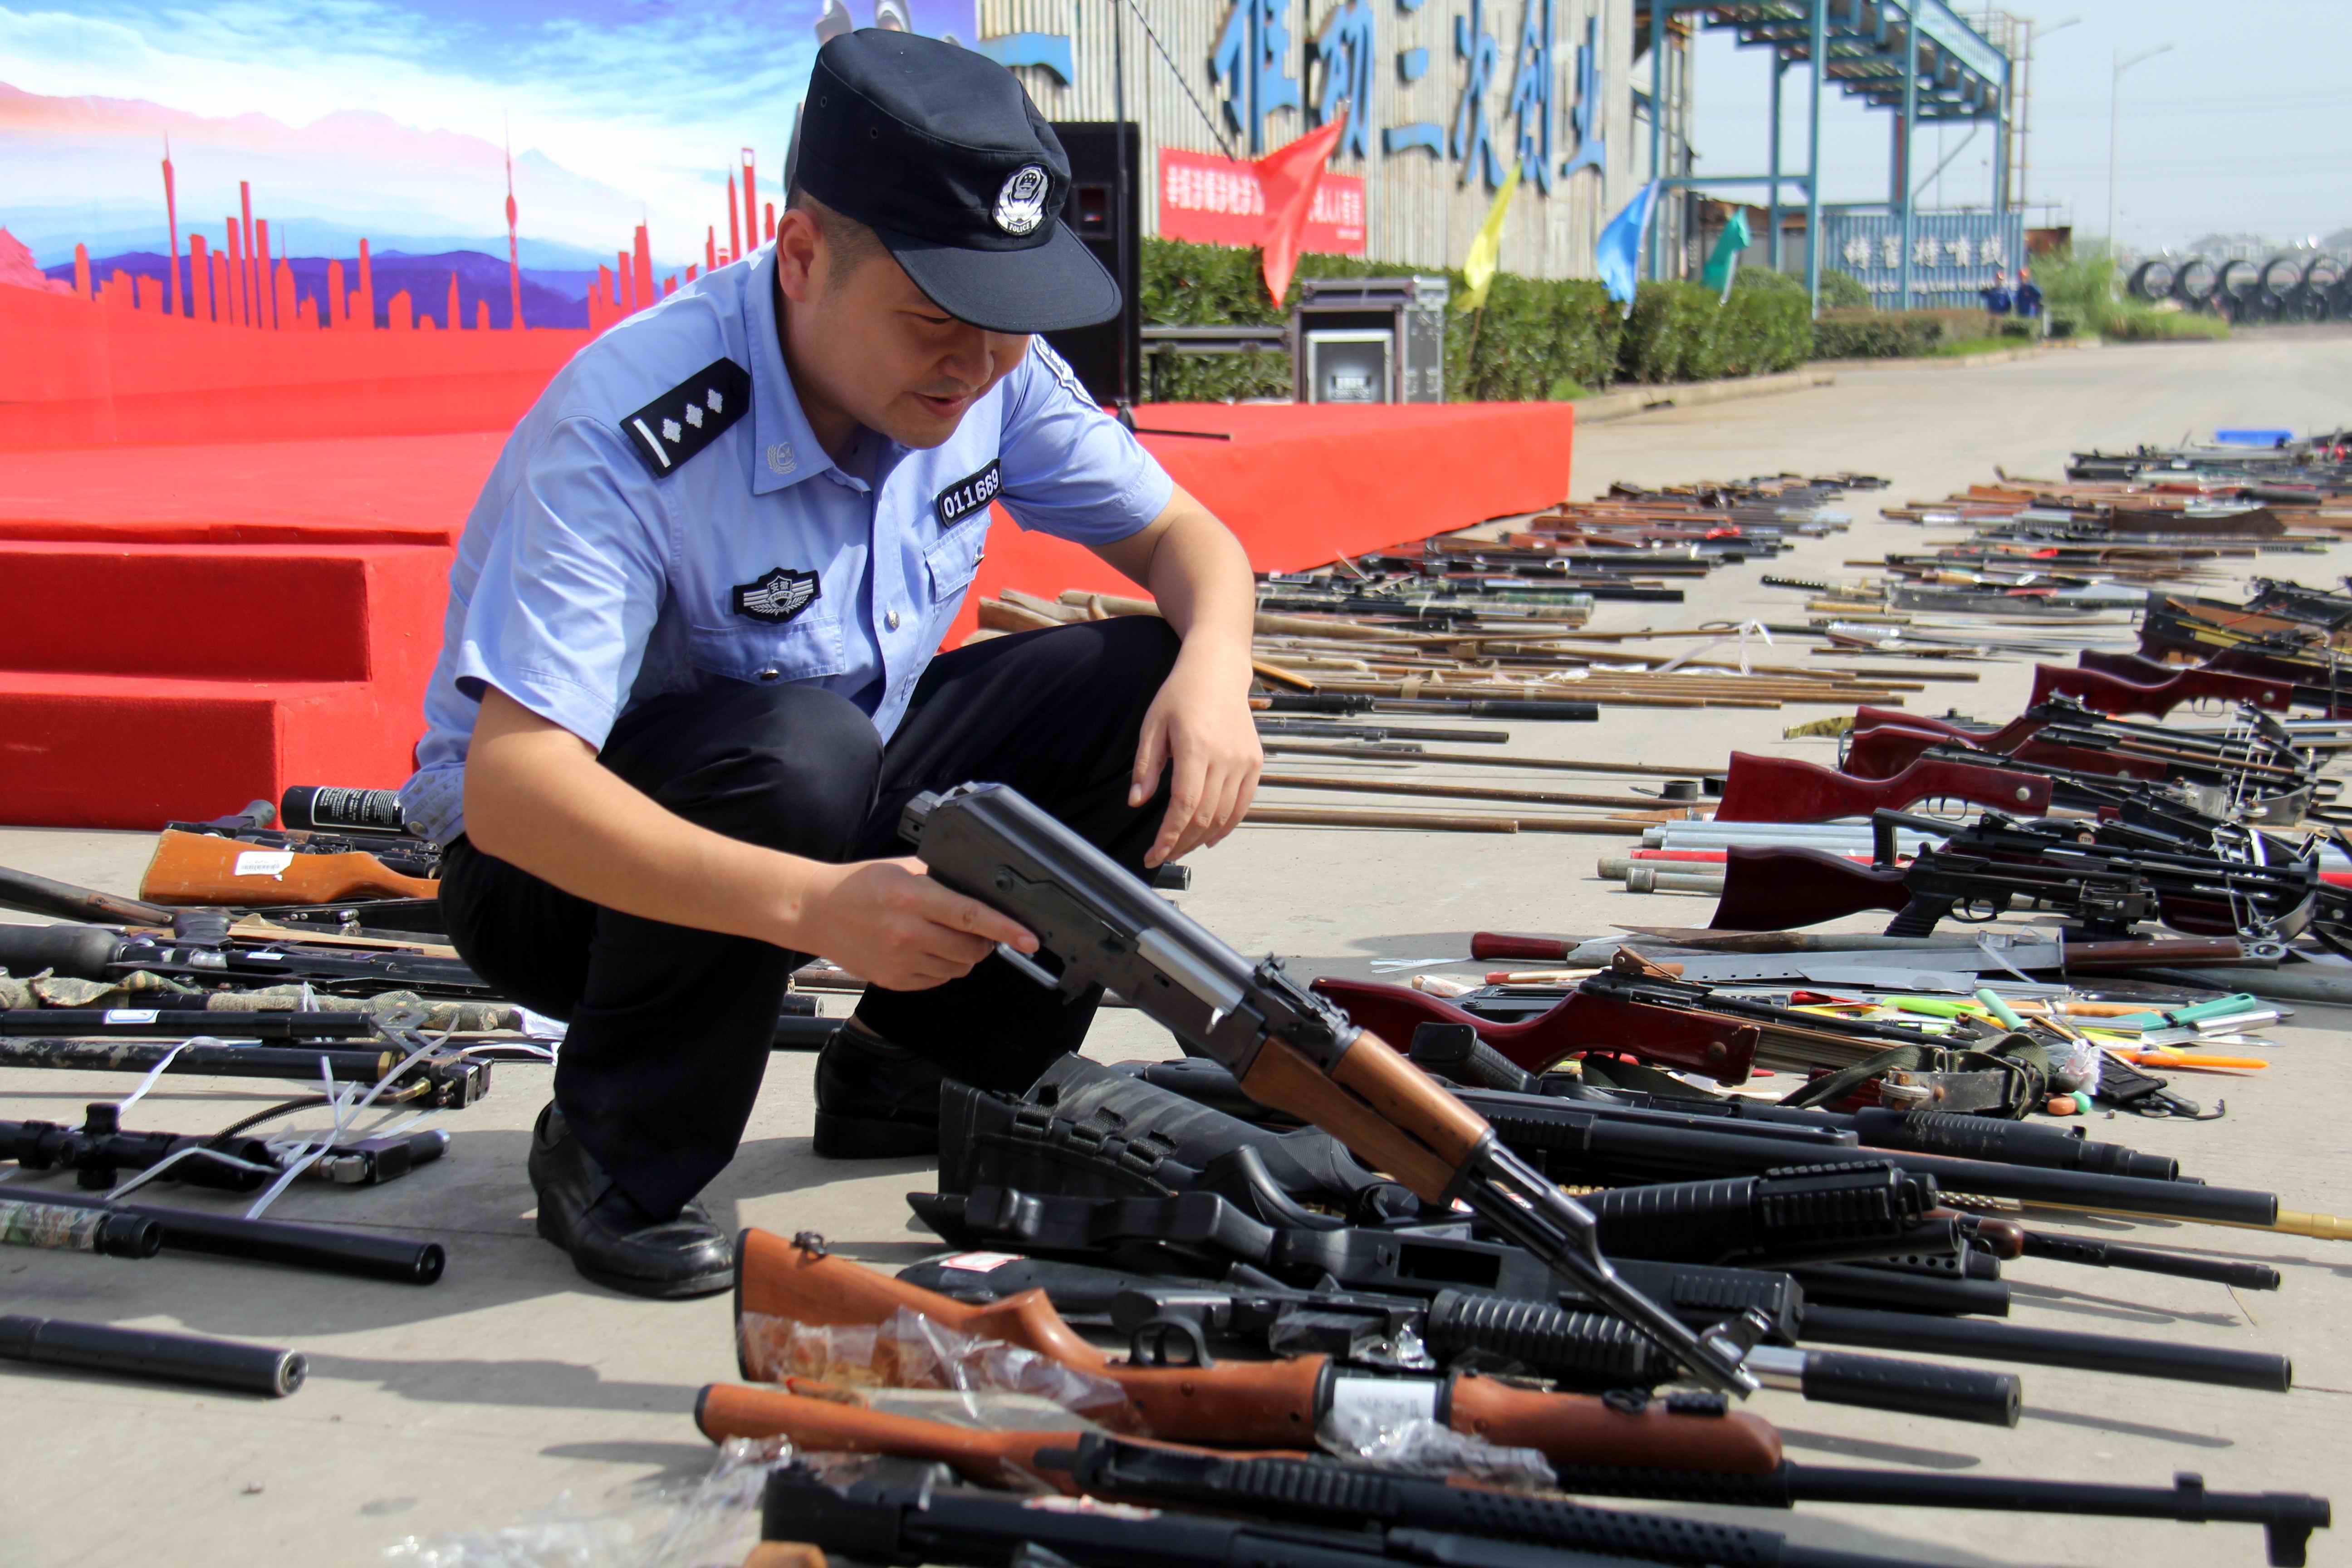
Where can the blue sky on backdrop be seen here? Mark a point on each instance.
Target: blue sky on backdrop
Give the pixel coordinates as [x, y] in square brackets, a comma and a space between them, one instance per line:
[643, 101]
[2235, 129]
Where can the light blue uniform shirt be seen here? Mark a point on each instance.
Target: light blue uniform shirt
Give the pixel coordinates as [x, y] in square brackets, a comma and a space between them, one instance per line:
[663, 519]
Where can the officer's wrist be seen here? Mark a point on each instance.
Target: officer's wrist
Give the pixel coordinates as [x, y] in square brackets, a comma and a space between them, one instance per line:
[799, 889]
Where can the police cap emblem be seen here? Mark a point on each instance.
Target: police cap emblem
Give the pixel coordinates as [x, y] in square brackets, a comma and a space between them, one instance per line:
[1021, 203]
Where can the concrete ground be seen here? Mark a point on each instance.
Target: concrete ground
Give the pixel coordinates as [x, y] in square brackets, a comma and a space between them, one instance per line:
[482, 1401]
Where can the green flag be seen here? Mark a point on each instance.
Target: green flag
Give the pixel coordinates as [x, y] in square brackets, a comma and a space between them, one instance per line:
[1486, 249]
[1724, 262]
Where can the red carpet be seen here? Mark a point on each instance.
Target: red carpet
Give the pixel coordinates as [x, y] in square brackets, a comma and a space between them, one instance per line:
[190, 618]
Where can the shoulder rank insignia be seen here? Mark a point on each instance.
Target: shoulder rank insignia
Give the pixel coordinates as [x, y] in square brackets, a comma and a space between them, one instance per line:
[691, 415]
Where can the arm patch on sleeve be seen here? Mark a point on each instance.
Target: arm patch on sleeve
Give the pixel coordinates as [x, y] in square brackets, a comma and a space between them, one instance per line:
[686, 418]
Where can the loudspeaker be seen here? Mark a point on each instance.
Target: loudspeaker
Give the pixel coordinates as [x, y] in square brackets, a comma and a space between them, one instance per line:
[1108, 357]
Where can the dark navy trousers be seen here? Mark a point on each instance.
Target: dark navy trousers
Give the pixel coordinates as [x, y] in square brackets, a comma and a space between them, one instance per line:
[671, 1026]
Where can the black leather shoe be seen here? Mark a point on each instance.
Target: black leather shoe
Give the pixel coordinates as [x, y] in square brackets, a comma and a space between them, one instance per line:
[611, 1240]
[875, 1101]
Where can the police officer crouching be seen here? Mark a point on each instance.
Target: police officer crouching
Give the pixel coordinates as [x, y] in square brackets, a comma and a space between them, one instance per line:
[688, 684]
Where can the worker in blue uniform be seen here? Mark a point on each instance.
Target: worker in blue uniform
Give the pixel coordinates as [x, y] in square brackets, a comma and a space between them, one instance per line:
[687, 680]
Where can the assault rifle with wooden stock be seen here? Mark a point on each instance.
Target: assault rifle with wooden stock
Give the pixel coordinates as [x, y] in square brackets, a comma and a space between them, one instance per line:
[1288, 1046]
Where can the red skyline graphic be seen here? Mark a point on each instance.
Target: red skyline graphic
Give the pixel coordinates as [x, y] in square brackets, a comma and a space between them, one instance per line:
[242, 283]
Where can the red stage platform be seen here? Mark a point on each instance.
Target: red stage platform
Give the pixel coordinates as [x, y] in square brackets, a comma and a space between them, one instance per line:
[191, 624]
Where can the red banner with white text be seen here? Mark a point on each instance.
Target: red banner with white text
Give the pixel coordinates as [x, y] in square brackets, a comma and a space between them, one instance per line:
[1217, 201]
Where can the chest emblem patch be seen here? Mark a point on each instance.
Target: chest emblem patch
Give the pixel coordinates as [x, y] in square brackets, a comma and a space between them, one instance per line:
[775, 597]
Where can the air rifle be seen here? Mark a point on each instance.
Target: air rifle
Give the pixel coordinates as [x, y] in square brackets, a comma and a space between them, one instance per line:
[1288, 1046]
[1783, 789]
[2066, 734]
[1279, 1404]
[451, 1080]
[2107, 692]
[1170, 1320]
[1772, 888]
[1496, 1278]
[202, 869]
[1590, 1018]
[1781, 1037]
[95, 952]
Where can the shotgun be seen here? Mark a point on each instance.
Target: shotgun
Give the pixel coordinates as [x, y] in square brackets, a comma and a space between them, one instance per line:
[1770, 890]
[1288, 1045]
[1275, 1404]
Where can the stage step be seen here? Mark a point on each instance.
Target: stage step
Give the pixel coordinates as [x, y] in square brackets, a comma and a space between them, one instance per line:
[115, 751]
[144, 682]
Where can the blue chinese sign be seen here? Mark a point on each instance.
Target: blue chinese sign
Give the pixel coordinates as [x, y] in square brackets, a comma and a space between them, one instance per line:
[1260, 65]
[1953, 254]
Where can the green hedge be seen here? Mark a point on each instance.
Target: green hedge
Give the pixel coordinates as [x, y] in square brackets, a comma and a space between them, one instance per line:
[1879, 334]
[1537, 339]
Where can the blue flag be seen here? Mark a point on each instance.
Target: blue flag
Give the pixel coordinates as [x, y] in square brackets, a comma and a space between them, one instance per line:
[1620, 251]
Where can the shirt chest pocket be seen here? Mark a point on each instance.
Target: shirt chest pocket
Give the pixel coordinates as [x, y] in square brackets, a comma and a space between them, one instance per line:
[953, 559]
[806, 647]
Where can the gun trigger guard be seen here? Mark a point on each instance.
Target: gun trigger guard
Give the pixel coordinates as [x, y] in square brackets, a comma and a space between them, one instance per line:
[1169, 1341]
[1028, 966]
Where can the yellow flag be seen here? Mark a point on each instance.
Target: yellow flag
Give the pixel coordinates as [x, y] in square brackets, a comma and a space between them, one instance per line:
[1478, 267]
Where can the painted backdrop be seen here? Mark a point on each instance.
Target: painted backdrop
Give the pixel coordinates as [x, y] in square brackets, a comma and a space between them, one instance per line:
[326, 157]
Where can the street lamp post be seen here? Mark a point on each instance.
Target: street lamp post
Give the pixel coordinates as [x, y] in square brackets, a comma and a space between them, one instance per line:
[2114, 136]
[2025, 131]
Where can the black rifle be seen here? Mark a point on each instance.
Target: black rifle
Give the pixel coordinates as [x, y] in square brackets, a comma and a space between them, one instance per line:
[1202, 1232]
[1088, 1132]
[1106, 1466]
[1600, 1145]
[1170, 1321]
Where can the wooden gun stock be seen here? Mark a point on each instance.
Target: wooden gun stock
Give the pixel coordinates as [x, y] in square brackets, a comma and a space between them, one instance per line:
[200, 868]
[1722, 1048]
[1274, 1404]
[2107, 693]
[1262, 1402]
[1503, 944]
[1783, 789]
[1567, 1428]
[1768, 888]
[1883, 750]
[829, 1427]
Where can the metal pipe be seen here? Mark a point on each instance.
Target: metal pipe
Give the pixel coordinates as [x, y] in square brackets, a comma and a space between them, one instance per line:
[1818, 13]
[1907, 128]
[1773, 217]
